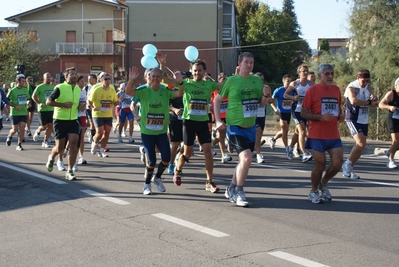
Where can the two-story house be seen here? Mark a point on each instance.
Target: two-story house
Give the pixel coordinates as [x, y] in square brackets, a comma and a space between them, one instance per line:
[107, 35]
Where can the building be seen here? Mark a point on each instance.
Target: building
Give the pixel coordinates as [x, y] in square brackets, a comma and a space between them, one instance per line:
[86, 34]
[337, 45]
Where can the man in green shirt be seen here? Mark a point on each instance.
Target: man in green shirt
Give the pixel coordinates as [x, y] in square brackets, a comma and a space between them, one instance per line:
[18, 97]
[40, 95]
[245, 93]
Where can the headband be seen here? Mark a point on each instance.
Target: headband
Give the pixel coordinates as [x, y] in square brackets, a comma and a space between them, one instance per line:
[363, 74]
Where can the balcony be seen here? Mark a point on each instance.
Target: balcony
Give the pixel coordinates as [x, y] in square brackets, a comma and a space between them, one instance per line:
[87, 48]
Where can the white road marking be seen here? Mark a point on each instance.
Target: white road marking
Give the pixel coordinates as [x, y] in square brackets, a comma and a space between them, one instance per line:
[105, 197]
[190, 225]
[380, 183]
[296, 259]
[37, 175]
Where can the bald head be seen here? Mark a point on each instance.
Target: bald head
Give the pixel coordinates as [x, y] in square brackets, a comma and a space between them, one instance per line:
[47, 78]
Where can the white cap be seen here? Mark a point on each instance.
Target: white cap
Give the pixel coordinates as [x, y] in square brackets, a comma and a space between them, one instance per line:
[101, 74]
[396, 82]
[21, 76]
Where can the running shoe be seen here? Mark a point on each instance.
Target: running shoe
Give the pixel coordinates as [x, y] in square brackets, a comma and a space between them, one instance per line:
[262, 142]
[314, 197]
[289, 151]
[177, 178]
[230, 194]
[19, 148]
[131, 140]
[201, 149]
[325, 193]
[36, 136]
[119, 138]
[213, 152]
[75, 167]
[66, 152]
[82, 161]
[158, 182]
[60, 165]
[45, 144]
[93, 149]
[260, 158]
[241, 200]
[69, 175]
[296, 153]
[8, 141]
[306, 157]
[49, 164]
[346, 169]
[101, 153]
[391, 164]
[211, 187]
[147, 189]
[354, 176]
[171, 168]
[226, 159]
[28, 132]
[124, 134]
[106, 149]
[272, 143]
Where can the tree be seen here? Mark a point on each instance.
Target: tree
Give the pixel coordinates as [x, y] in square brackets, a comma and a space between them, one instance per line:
[324, 46]
[289, 9]
[244, 10]
[14, 51]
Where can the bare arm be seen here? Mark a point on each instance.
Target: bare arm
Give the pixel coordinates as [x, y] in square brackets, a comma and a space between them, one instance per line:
[133, 74]
[287, 94]
[384, 102]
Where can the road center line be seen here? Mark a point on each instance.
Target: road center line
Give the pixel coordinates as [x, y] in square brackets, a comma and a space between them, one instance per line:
[105, 197]
[190, 225]
[296, 259]
[37, 175]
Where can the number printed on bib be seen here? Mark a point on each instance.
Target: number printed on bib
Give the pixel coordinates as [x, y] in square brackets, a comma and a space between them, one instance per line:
[105, 105]
[198, 107]
[329, 105]
[250, 107]
[155, 122]
[22, 100]
[286, 104]
[363, 116]
[47, 93]
[223, 107]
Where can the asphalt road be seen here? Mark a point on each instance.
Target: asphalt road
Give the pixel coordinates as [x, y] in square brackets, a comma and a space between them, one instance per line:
[103, 219]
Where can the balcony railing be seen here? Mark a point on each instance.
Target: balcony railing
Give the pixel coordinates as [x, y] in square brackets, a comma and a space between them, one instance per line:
[87, 48]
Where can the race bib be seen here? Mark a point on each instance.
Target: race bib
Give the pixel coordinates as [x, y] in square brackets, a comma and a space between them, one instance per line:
[155, 122]
[286, 104]
[198, 107]
[105, 105]
[329, 105]
[250, 107]
[299, 104]
[363, 116]
[395, 114]
[22, 100]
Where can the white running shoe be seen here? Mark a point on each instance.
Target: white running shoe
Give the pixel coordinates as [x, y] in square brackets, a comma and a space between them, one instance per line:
[213, 152]
[36, 136]
[131, 140]
[346, 169]
[272, 143]
[102, 154]
[354, 176]
[241, 199]
[60, 165]
[158, 182]
[45, 144]
[314, 197]
[82, 161]
[289, 152]
[296, 154]
[391, 164]
[119, 138]
[306, 157]
[75, 167]
[147, 189]
[93, 149]
[226, 159]
[260, 158]
[124, 134]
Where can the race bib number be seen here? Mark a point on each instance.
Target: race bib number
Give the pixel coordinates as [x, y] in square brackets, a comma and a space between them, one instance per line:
[126, 102]
[223, 107]
[105, 105]
[155, 122]
[286, 104]
[198, 107]
[22, 100]
[299, 104]
[47, 93]
[395, 114]
[250, 108]
[329, 105]
[363, 116]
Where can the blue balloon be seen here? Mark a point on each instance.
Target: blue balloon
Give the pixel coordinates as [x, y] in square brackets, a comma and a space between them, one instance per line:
[191, 53]
[149, 62]
[149, 50]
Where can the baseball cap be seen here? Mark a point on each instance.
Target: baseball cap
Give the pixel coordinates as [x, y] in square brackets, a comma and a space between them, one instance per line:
[21, 76]
[101, 74]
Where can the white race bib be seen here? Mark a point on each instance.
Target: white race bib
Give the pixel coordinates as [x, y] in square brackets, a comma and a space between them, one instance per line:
[250, 107]
[155, 122]
[329, 105]
[198, 107]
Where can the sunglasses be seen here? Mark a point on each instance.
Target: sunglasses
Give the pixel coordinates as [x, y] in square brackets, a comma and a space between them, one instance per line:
[107, 79]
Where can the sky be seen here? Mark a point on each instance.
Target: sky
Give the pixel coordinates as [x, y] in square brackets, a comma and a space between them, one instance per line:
[317, 18]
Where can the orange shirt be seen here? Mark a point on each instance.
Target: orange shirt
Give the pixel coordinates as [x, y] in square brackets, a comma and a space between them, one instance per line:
[320, 99]
[223, 104]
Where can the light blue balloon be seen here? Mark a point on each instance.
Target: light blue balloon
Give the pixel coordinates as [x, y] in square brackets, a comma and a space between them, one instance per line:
[149, 62]
[149, 50]
[191, 53]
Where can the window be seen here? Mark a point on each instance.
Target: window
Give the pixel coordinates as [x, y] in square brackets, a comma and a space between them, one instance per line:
[71, 36]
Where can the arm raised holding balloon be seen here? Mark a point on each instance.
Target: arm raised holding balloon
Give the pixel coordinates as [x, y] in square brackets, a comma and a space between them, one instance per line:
[161, 57]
